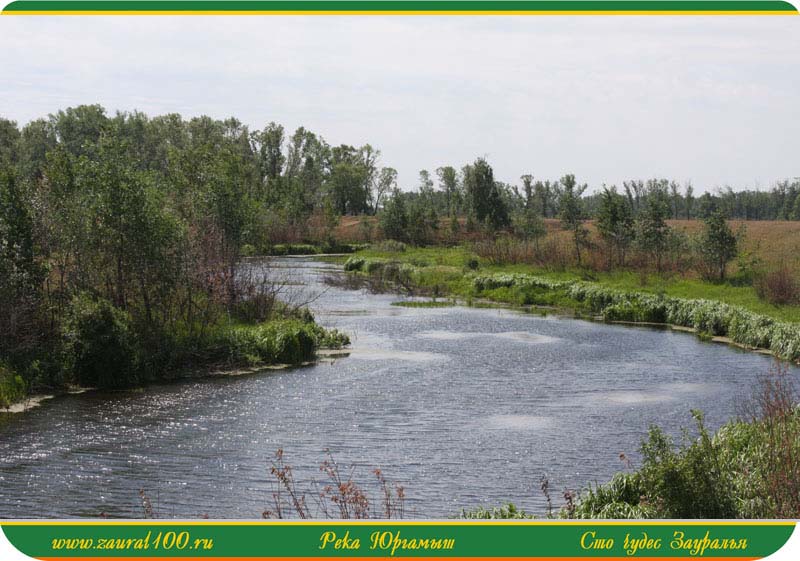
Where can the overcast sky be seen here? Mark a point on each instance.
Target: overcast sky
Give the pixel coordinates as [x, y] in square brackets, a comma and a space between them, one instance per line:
[711, 100]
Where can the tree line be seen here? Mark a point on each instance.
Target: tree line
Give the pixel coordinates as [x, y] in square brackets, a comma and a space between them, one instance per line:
[121, 236]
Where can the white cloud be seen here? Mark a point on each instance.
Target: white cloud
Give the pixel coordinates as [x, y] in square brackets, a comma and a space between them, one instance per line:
[708, 99]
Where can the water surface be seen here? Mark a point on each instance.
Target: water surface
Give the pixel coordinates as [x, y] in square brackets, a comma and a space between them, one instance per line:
[463, 406]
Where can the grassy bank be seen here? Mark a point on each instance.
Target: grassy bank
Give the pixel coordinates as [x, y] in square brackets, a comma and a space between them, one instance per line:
[101, 347]
[715, 310]
[278, 250]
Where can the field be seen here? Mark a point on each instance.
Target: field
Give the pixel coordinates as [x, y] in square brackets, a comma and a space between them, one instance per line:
[775, 243]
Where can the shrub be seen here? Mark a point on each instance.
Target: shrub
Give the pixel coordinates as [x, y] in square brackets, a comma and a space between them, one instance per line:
[690, 482]
[249, 250]
[635, 311]
[373, 266]
[622, 497]
[354, 264]
[12, 386]
[289, 341]
[294, 249]
[778, 287]
[472, 264]
[102, 349]
[507, 512]
[391, 246]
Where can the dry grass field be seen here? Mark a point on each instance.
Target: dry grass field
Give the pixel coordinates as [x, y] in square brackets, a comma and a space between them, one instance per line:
[774, 243]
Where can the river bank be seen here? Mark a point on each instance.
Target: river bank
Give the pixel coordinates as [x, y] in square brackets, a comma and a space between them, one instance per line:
[435, 273]
[228, 350]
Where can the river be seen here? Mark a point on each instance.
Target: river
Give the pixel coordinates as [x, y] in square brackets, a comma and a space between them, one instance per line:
[462, 406]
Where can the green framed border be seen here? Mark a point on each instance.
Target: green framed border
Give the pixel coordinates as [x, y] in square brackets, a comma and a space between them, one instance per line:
[400, 7]
[474, 540]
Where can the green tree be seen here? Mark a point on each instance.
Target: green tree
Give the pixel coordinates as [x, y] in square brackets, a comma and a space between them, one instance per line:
[21, 272]
[483, 195]
[653, 233]
[79, 129]
[675, 195]
[448, 183]
[689, 200]
[348, 181]
[394, 218]
[9, 142]
[528, 222]
[384, 183]
[572, 213]
[718, 246]
[615, 224]
[270, 150]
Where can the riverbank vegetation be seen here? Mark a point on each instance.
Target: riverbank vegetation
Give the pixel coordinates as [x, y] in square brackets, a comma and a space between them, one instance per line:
[705, 316]
[120, 251]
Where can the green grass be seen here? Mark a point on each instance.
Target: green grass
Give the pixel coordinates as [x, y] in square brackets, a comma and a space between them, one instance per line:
[425, 304]
[446, 265]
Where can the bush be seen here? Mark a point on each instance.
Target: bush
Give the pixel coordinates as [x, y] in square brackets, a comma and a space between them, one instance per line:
[102, 350]
[373, 266]
[12, 387]
[391, 246]
[622, 497]
[778, 287]
[690, 482]
[290, 341]
[635, 311]
[508, 512]
[294, 249]
[354, 264]
[249, 250]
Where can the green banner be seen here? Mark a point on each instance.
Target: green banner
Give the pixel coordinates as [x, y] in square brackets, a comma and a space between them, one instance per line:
[331, 539]
[410, 7]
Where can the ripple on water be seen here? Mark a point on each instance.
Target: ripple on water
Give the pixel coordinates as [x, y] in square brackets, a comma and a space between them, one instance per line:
[391, 354]
[526, 337]
[517, 422]
[522, 336]
[659, 394]
[446, 335]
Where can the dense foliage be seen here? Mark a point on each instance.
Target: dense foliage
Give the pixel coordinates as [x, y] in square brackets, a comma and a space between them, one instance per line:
[121, 239]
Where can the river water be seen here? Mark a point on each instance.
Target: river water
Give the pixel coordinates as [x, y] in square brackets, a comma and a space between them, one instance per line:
[462, 406]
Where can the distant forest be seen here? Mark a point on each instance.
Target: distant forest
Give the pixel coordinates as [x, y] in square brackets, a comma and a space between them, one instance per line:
[295, 175]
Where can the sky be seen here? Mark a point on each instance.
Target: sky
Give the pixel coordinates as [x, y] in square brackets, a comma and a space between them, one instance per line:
[711, 100]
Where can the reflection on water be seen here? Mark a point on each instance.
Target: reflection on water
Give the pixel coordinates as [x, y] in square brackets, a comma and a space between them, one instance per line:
[462, 406]
[521, 336]
[518, 422]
